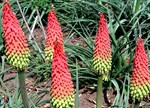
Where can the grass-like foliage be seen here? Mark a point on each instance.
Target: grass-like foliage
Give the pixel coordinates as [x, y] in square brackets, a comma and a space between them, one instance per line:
[126, 19]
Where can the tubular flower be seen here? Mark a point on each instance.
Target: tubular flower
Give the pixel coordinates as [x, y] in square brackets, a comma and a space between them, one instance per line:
[140, 79]
[17, 50]
[62, 91]
[53, 33]
[102, 51]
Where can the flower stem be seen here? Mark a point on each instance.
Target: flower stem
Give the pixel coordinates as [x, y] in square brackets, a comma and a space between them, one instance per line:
[23, 89]
[137, 104]
[77, 86]
[99, 92]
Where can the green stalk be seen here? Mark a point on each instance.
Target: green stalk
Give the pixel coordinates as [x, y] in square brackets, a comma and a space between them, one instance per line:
[23, 89]
[136, 6]
[99, 92]
[137, 104]
[77, 86]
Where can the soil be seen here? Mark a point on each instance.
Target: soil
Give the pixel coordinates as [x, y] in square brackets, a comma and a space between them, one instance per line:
[87, 96]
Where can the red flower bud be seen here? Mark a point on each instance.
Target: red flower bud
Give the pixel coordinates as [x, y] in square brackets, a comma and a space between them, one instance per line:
[62, 91]
[140, 78]
[53, 33]
[102, 51]
[17, 50]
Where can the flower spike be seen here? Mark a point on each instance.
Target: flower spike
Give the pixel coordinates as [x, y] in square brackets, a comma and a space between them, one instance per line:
[53, 33]
[17, 50]
[62, 91]
[102, 51]
[140, 79]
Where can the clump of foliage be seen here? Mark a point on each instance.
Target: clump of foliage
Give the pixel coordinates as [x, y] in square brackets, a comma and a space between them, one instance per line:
[126, 20]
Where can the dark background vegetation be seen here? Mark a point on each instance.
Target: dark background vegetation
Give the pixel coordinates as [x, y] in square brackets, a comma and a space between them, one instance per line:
[79, 20]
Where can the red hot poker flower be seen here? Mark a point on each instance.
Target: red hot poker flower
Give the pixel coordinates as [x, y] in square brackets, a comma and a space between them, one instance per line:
[53, 33]
[102, 50]
[17, 50]
[62, 91]
[140, 79]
